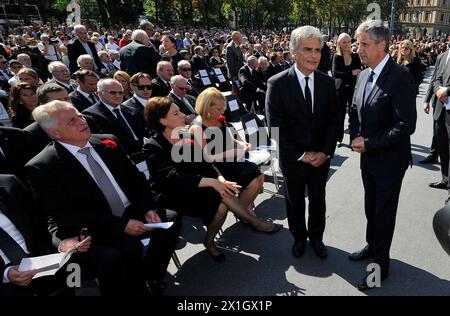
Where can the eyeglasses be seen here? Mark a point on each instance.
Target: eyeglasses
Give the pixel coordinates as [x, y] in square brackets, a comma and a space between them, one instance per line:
[114, 92]
[186, 69]
[143, 87]
[184, 88]
[62, 70]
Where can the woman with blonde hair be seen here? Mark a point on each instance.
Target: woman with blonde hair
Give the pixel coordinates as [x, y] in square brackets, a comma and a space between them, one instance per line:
[346, 67]
[407, 58]
[124, 79]
[210, 129]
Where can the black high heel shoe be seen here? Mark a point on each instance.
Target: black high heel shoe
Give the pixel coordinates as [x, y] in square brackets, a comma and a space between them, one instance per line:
[276, 228]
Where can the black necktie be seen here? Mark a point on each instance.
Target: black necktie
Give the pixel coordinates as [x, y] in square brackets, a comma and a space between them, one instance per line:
[308, 98]
[123, 123]
[93, 99]
[11, 248]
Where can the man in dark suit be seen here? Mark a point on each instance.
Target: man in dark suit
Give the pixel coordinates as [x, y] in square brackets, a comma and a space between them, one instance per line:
[440, 134]
[252, 90]
[109, 117]
[61, 76]
[83, 180]
[199, 61]
[80, 45]
[141, 84]
[14, 150]
[235, 58]
[138, 56]
[383, 117]
[179, 95]
[38, 138]
[161, 84]
[84, 96]
[325, 60]
[301, 103]
[23, 233]
[185, 69]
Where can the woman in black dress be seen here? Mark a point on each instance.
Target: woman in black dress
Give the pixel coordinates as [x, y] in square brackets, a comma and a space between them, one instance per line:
[407, 58]
[170, 46]
[22, 101]
[346, 68]
[210, 130]
[190, 186]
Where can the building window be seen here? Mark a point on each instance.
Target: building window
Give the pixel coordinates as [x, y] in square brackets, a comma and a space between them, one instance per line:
[442, 17]
[444, 2]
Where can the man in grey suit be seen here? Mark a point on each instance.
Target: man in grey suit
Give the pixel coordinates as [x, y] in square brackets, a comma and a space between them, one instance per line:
[235, 58]
[382, 119]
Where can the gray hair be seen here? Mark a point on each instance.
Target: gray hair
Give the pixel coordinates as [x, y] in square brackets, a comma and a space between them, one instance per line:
[102, 52]
[177, 79]
[161, 64]
[146, 25]
[251, 60]
[78, 27]
[44, 115]
[183, 62]
[262, 59]
[83, 57]
[302, 32]
[376, 30]
[55, 65]
[137, 35]
[103, 83]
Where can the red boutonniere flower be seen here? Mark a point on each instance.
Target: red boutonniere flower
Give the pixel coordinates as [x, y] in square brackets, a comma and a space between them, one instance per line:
[221, 118]
[188, 141]
[109, 143]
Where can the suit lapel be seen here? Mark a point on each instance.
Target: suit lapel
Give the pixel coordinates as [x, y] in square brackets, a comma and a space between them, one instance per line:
[378, 83]
[298, 96]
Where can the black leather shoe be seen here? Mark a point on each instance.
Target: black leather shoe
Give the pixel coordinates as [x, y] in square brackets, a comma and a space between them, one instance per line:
[298, 248]
[362, 254]
[319, 249]
[429, 159]
[363, 286]
[438, 185]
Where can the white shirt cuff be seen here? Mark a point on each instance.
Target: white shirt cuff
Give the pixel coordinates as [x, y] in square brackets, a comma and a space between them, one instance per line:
[5, 275]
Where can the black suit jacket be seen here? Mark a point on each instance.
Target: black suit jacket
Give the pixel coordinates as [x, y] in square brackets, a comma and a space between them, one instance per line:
[80, 101]
[68, 193]
[160, 89]
[15, 144]
[299, 129]
[75, 49]
[136, 57]
[325, 59]
[72, 85]
[134, 104]
[250, 82]
[387, 119]
[436, 82]
[107, 123]
[17, 203]
[181, 105]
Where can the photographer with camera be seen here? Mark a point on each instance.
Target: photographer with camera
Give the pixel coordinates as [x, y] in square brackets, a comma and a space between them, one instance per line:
[49, 47]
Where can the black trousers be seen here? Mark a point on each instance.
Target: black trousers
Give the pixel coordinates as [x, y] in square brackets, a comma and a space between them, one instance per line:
[381, 194]
[345, 95]
[442, 143]
[162, 245]
[297, 178]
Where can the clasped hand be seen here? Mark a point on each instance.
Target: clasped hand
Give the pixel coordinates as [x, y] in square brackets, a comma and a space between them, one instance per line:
[135, 227]
[358, 144]
[313, 158]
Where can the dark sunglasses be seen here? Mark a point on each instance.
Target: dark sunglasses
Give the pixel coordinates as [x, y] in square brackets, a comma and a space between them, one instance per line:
[186, 69]
[147, 86]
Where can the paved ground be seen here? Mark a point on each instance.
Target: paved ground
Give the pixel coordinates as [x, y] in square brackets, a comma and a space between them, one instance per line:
[260, 264]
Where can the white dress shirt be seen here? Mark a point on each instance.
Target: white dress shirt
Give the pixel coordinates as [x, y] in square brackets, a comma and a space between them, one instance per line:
[111, 108]
[86, 95]
[302, 82]
[15, 234]
[83, 160]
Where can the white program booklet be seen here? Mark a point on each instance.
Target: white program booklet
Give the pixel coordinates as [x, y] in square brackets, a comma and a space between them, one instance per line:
[49, 264]
[165, 225]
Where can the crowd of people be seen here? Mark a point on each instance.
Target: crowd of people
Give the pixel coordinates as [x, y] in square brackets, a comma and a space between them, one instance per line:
[91, 119]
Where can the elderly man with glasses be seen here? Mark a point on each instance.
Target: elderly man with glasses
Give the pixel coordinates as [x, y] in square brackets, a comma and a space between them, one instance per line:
[127, 124]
